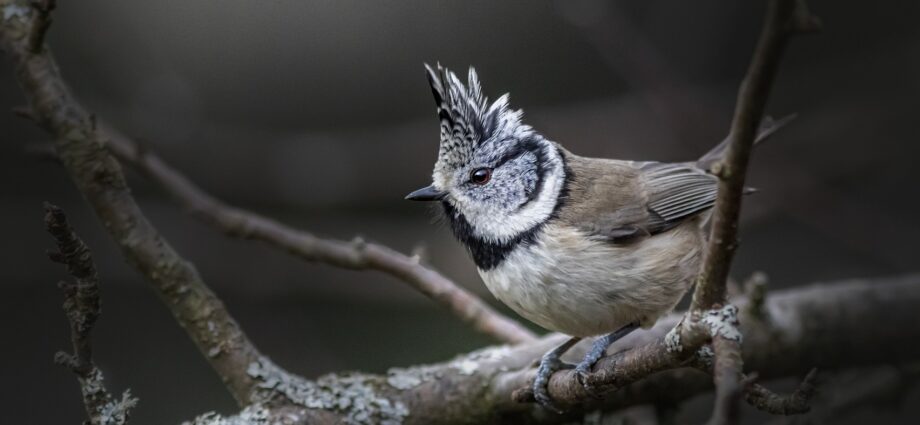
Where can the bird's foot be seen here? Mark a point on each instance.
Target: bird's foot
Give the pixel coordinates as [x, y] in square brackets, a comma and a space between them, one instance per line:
[583, 369]
[598, 349]
[540, 390]
[549, 364]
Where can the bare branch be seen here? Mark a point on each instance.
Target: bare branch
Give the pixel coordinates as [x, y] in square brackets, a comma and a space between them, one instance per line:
[782, 21]
[795, 403]
[99, 178]
[728, 393]
[853, 390]
[355, 255]
[83, 306]
[727, 378]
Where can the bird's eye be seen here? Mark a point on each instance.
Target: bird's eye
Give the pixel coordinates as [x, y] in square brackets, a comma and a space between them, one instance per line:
[481, 176]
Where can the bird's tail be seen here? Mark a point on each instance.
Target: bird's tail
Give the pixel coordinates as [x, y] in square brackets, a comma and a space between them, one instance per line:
[768, 126]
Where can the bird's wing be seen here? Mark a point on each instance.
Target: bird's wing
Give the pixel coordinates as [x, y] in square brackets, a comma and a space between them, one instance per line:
[625, 201]
[676, 192]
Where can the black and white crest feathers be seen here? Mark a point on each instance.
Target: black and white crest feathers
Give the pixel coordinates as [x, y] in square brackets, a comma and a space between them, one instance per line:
[467, 118]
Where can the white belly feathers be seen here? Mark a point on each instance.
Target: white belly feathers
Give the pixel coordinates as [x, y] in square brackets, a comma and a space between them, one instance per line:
[568, 283]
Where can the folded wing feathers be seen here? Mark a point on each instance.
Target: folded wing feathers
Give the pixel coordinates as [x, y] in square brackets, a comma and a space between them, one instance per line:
[677, 191]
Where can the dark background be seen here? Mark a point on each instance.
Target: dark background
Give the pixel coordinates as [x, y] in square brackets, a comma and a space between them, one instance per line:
[318, 113]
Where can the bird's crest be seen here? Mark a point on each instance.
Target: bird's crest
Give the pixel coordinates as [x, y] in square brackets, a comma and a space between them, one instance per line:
[467, 119]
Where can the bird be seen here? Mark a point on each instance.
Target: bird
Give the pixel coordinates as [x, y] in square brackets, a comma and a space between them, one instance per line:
[582, 246]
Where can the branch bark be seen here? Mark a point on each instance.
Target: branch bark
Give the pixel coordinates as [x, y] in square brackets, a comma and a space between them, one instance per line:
[83, 306]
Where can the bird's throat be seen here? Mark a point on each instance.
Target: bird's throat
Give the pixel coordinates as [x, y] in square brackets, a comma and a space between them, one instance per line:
[486, 254]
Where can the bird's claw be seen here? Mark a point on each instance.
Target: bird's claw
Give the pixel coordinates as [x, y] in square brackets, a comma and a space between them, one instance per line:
[548, 366]
[582, 372]
[598, 349]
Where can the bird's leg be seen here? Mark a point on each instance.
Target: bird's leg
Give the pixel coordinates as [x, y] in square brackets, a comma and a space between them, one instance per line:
[597, 351]
[549, 364]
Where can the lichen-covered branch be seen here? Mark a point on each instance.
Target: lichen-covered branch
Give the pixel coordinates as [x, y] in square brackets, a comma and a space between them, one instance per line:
[831, 326]
[97, 175]
[355, 255]
[82, 305]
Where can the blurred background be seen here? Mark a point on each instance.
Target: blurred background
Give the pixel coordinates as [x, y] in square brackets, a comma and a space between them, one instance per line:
[318, 113]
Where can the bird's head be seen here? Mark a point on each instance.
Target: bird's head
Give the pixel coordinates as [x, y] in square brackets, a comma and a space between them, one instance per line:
[496, 177]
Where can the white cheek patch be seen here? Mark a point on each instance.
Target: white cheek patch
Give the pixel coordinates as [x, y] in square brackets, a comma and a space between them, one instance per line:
[496, 226]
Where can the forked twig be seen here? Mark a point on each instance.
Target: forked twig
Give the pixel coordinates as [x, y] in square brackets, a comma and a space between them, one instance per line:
[83, 306]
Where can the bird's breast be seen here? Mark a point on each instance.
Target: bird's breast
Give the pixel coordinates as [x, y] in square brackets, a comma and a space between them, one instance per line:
[567, 282]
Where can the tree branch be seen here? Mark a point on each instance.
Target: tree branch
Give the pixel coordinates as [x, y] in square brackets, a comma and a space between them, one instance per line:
[810, 323]
[727, 379]
[83, 306]
[355, 255]
[797, 402]
[784, 19]
[833, 326]
[99, 178]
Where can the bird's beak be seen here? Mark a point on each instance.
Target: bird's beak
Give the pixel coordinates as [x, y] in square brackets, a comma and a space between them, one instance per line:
[426, 194]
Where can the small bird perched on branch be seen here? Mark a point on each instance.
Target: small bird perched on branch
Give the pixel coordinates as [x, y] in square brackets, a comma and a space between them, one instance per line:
[577, 245]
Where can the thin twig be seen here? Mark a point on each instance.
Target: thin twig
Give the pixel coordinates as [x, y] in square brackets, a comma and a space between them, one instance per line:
[81, 299]
[99, 178]
[847, 392]
[355, 255]
[83, 306]
[796, 403]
